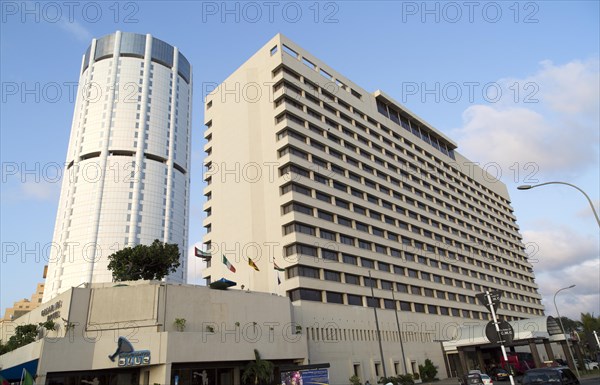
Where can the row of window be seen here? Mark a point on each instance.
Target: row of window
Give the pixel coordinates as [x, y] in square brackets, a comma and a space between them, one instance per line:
[407, 172]
[399, 271]
[329, 169]
[384, 303]
[394, 139]
[296, 173]
[460, 247]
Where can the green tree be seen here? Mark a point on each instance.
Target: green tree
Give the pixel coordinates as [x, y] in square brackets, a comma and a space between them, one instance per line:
[258, 371]
[144, 262]
[428, 371]
[589, 323]
[24, 334]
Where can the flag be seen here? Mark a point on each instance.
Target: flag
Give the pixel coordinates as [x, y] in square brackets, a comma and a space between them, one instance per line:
[277, 267]
[27, 378]
[201, 254]
[252, 264]
[3, 381]
[278, 280]
[228, 264]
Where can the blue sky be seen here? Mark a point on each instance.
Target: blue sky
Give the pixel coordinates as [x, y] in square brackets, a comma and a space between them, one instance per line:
[515, 84]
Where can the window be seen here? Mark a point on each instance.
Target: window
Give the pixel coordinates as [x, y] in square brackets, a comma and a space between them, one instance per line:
[419, 308]
[325, 234]
[333, 297]
[368, 263]
[305, 294]
[329, 255]
[349, 259]
[333, 276]
[372, 302]
[352, 279]
[389, 304]
[344, 221]
[347, 240]
[302, 271]
[323, 197]
[383, 266]
[355, 300]
[402, 288]
[342, 203]
[405, 306]
[301, 249]
[325, 215]
[386, 285]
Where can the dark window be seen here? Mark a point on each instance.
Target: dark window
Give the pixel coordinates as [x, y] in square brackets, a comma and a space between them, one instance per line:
[405, 306]
[389, 304]
[402, 288]
[333, 276]
[325, 234]
[325, 215]
[352, 279]
[355, 300]
[347, 240]
[368, 263]
[333, 297]
[383, 266]
[349, 259]
[372, 302]
[305, 294]
[419, 308]
[342, 203]
[329, 255]
[323, 197]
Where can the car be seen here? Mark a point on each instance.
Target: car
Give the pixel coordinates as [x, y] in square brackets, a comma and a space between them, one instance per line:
[487, 380]
[499, 374]
[472, 379]
[549, 376]
[591, 365]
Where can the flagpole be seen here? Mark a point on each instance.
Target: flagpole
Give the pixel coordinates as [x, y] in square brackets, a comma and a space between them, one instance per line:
[22, 374]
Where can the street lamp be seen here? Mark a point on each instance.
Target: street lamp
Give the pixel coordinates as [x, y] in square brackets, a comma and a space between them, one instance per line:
[563, 328]
[527, 187]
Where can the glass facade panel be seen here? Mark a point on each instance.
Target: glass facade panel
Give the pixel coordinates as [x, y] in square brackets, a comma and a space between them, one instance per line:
[133, 44]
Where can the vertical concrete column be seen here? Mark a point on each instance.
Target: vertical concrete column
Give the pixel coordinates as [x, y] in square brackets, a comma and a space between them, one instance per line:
[536, 356]
[463, 361]
[549, 351]
[567, 354]
[480, 361]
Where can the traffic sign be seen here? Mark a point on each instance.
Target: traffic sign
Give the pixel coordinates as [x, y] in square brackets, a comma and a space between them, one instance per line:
[504, 336]
[494, 296]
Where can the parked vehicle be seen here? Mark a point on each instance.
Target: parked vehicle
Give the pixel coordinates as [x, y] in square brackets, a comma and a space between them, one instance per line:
[518, 363]
[499, 374]
[486, 379]
[549, 376]
[589, 364]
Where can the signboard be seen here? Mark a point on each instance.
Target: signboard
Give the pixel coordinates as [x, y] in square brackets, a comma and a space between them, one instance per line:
[128, 356]
[495, 296]
[308, 376]
[504, 336]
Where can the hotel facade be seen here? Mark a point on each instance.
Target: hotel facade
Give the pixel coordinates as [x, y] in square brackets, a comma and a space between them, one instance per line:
[127, 176]
[348, 191]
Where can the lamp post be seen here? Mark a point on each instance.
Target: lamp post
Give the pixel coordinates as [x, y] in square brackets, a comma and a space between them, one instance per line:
[528, 187]
[563, 328]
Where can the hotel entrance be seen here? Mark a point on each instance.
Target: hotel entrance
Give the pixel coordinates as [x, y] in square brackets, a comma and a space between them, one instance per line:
[95, 377]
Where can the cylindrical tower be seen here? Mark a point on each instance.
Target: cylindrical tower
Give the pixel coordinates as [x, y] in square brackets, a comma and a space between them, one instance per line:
[126, 179]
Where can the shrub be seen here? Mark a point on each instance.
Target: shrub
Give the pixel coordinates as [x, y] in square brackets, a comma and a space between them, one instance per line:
[428, 371]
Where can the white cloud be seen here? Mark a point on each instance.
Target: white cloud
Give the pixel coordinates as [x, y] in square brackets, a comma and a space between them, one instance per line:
[40, 191]
[75, 29]
[559, 133]
[559, 248]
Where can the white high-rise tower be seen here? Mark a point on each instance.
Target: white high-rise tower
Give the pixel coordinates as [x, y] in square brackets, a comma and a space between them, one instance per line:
[127, 175]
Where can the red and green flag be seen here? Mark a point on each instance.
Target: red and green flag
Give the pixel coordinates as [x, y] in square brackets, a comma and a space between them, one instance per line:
[228, 264]
[4, 381]
[252, 264]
